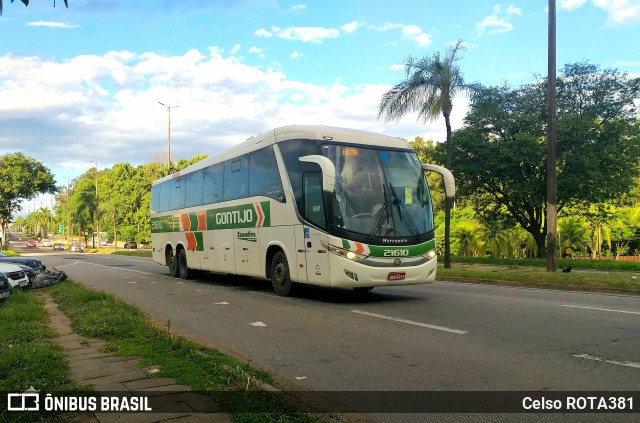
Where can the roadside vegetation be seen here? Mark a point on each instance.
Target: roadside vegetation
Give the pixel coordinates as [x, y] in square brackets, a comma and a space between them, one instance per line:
[31, 357]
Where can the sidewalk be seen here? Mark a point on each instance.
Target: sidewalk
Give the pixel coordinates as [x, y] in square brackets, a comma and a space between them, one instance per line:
[107, 373]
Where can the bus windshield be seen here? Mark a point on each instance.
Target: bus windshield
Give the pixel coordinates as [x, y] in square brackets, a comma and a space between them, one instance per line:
[379, 193]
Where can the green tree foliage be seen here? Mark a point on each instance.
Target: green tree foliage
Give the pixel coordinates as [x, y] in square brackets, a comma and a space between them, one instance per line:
[26, 3]
[500, 154]
[123, 203]
[21, 178]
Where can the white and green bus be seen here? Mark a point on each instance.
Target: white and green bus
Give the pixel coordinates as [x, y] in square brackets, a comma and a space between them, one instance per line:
[302, 204]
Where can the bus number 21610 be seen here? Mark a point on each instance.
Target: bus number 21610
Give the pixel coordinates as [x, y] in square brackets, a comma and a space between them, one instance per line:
[396, 253]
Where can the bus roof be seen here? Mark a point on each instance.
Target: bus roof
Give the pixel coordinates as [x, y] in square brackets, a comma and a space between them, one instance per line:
[285, 133]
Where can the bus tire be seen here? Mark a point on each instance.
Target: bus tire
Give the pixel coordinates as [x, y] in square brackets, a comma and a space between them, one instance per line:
[183, 268]
[172, 262]
[280, 278]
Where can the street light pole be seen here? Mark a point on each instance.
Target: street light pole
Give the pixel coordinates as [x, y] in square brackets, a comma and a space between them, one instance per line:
[168, 133]
[97, 220]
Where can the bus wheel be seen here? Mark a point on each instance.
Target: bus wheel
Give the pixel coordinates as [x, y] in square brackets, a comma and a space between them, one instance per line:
[183, 269]
[363, 289]
[172, 262]
[280, 278]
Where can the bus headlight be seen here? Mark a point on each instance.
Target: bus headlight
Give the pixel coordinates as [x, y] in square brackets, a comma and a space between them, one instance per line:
[350, 255]
[431, 254]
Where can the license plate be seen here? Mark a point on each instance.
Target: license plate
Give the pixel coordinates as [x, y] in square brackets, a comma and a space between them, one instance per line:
[396, 276]
[24, 283]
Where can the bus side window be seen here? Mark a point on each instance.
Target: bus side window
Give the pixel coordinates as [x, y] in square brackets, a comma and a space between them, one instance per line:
[236, 175]
[313, 199]
[212, 183]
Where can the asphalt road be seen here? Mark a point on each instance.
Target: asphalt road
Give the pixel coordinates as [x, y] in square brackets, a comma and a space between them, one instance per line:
[438, 337]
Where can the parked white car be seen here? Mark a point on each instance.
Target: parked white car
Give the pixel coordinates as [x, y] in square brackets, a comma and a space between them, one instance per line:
[17, 277]
[5, 287]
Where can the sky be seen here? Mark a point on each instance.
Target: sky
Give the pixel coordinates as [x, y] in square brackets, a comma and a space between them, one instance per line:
[83, 85]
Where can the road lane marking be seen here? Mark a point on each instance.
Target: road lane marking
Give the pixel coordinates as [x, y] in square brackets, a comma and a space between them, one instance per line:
[258, 324]
[66, 265]
[601, 309]
[410, 322]
[604, 360]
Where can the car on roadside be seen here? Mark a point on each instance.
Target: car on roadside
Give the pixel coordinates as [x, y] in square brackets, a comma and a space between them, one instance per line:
[76, 248]
[131, 245]
[31, 274]
[32, 262]
[58, 246]
[31, 243]
[5, 287]
[17, 278]
[46, 243]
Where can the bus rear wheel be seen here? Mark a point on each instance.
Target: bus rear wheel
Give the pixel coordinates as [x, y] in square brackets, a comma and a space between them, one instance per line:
[280, 278]
[183, 268]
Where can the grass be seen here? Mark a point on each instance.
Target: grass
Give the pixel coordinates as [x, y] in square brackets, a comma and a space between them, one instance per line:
[580, 278]
[119, 251]
[577, 263]
[29, 356]
[129, 332]
[10, 253]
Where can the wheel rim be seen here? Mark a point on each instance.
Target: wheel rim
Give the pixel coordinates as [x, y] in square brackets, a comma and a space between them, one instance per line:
[280, 274]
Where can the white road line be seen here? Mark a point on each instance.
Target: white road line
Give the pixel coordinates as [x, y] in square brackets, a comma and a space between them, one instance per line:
[604, 360]
[601, 309]
[410, 322]
[67, 265]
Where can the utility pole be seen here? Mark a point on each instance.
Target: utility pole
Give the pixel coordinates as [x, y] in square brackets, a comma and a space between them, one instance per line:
[97, 218]
[552, 195]
[168, 134]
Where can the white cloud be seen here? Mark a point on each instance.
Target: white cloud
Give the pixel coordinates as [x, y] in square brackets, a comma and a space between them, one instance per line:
[263, 33]
[499, 21]
[351, 27]
[572, 4]
[295, 55]
[307, 34]
[620, 12]
[409, 32]
[105, 107]
[53, 25]
[258, 51]
[297, 9]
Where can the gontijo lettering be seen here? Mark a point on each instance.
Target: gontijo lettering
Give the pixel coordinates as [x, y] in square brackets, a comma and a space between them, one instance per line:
[234, 217]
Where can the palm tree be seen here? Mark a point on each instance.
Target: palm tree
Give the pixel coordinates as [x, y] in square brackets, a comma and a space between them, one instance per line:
[468, 236]
[26, 3]
[572, 234]
[429, 87]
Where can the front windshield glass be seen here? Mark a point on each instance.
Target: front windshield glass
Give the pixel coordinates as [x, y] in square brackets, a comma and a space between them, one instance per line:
[379, 193]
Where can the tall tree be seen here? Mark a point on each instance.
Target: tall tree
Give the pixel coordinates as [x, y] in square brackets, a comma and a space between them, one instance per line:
[26, 3]
[500, 154]
[429, 87]
[21, 178]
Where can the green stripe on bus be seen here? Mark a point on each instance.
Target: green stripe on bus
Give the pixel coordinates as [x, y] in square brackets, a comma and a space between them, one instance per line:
[405, 251]
[243, 216]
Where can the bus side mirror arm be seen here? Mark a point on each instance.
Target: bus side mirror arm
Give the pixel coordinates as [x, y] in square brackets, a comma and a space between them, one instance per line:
[449, 180]
[328, 170]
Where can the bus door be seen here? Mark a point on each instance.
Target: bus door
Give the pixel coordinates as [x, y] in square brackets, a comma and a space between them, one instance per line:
[313, 210]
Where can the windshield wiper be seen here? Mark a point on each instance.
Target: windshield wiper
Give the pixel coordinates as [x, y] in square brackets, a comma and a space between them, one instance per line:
[381, 213]
[403, 210]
